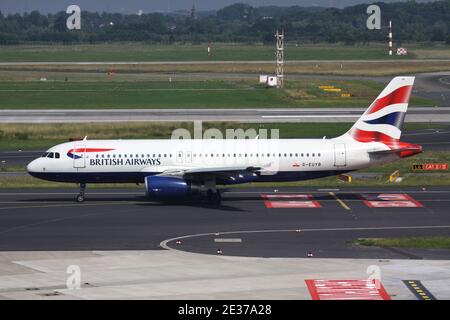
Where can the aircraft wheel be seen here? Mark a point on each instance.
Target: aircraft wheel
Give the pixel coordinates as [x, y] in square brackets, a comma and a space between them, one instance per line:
[214, 197]
[80, 198]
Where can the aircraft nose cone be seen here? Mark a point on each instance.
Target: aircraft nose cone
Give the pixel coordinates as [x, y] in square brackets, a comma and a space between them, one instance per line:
[32, 166]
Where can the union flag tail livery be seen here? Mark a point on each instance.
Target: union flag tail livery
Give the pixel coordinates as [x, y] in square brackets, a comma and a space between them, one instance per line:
[383, 120]
[182, 168]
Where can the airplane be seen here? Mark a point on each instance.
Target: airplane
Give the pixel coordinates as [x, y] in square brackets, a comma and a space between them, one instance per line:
[181, 168]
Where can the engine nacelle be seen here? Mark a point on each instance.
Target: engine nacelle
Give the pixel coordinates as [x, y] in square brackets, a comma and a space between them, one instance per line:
[166, 187]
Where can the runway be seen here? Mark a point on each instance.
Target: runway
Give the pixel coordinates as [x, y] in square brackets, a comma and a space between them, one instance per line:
[244, 225]
[425, 114]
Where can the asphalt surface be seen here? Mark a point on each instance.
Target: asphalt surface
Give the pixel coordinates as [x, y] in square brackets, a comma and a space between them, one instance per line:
[123, 219]
[425, 114]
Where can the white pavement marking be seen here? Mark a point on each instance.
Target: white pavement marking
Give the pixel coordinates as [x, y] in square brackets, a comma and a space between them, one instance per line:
[225, 240]
[164, 244]
[315, 116]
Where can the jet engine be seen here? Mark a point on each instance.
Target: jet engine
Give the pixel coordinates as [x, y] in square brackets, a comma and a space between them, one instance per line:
[168, 187]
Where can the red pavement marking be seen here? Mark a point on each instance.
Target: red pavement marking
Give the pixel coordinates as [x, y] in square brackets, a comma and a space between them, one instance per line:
[286, 196]
[390, 200]
[292, 204]
[284, 202]
[347, 290]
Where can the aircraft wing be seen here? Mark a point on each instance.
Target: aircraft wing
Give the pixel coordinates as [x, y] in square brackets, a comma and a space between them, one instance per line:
[190, 172]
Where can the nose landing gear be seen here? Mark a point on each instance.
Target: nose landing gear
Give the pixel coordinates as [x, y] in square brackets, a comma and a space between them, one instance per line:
[80, 196]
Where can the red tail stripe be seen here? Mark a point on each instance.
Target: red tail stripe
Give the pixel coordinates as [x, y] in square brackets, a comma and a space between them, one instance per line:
[393, 144]
[371, 136]
[89, 150]
[400, 95]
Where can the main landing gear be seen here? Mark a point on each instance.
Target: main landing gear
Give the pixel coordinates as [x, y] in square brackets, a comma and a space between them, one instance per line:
[212, 193]
[80, 196]
[214, 197]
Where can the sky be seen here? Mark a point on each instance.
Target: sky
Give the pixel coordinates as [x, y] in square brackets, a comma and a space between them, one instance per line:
[133, 6]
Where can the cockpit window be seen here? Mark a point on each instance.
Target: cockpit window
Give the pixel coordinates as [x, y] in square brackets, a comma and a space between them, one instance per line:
[50, 155]
[56, 155]
[44, 155]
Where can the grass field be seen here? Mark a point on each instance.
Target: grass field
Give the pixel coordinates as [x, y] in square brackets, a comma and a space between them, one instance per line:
[335, 59]
[214, 94]
[407, 242]
[323, 67]
[221, 52]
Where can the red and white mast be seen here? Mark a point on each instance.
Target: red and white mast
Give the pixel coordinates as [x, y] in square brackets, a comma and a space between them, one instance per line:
[390, 38]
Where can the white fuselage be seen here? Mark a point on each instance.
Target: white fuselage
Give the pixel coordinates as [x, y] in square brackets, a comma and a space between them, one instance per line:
[133, 160]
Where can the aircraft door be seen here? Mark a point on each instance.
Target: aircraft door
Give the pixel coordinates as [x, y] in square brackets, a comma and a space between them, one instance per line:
[179, 158]
[340, 155]
[79, 156]
[188, 156]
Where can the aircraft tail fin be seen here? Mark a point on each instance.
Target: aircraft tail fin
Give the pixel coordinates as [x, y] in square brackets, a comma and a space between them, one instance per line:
[383, 120]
